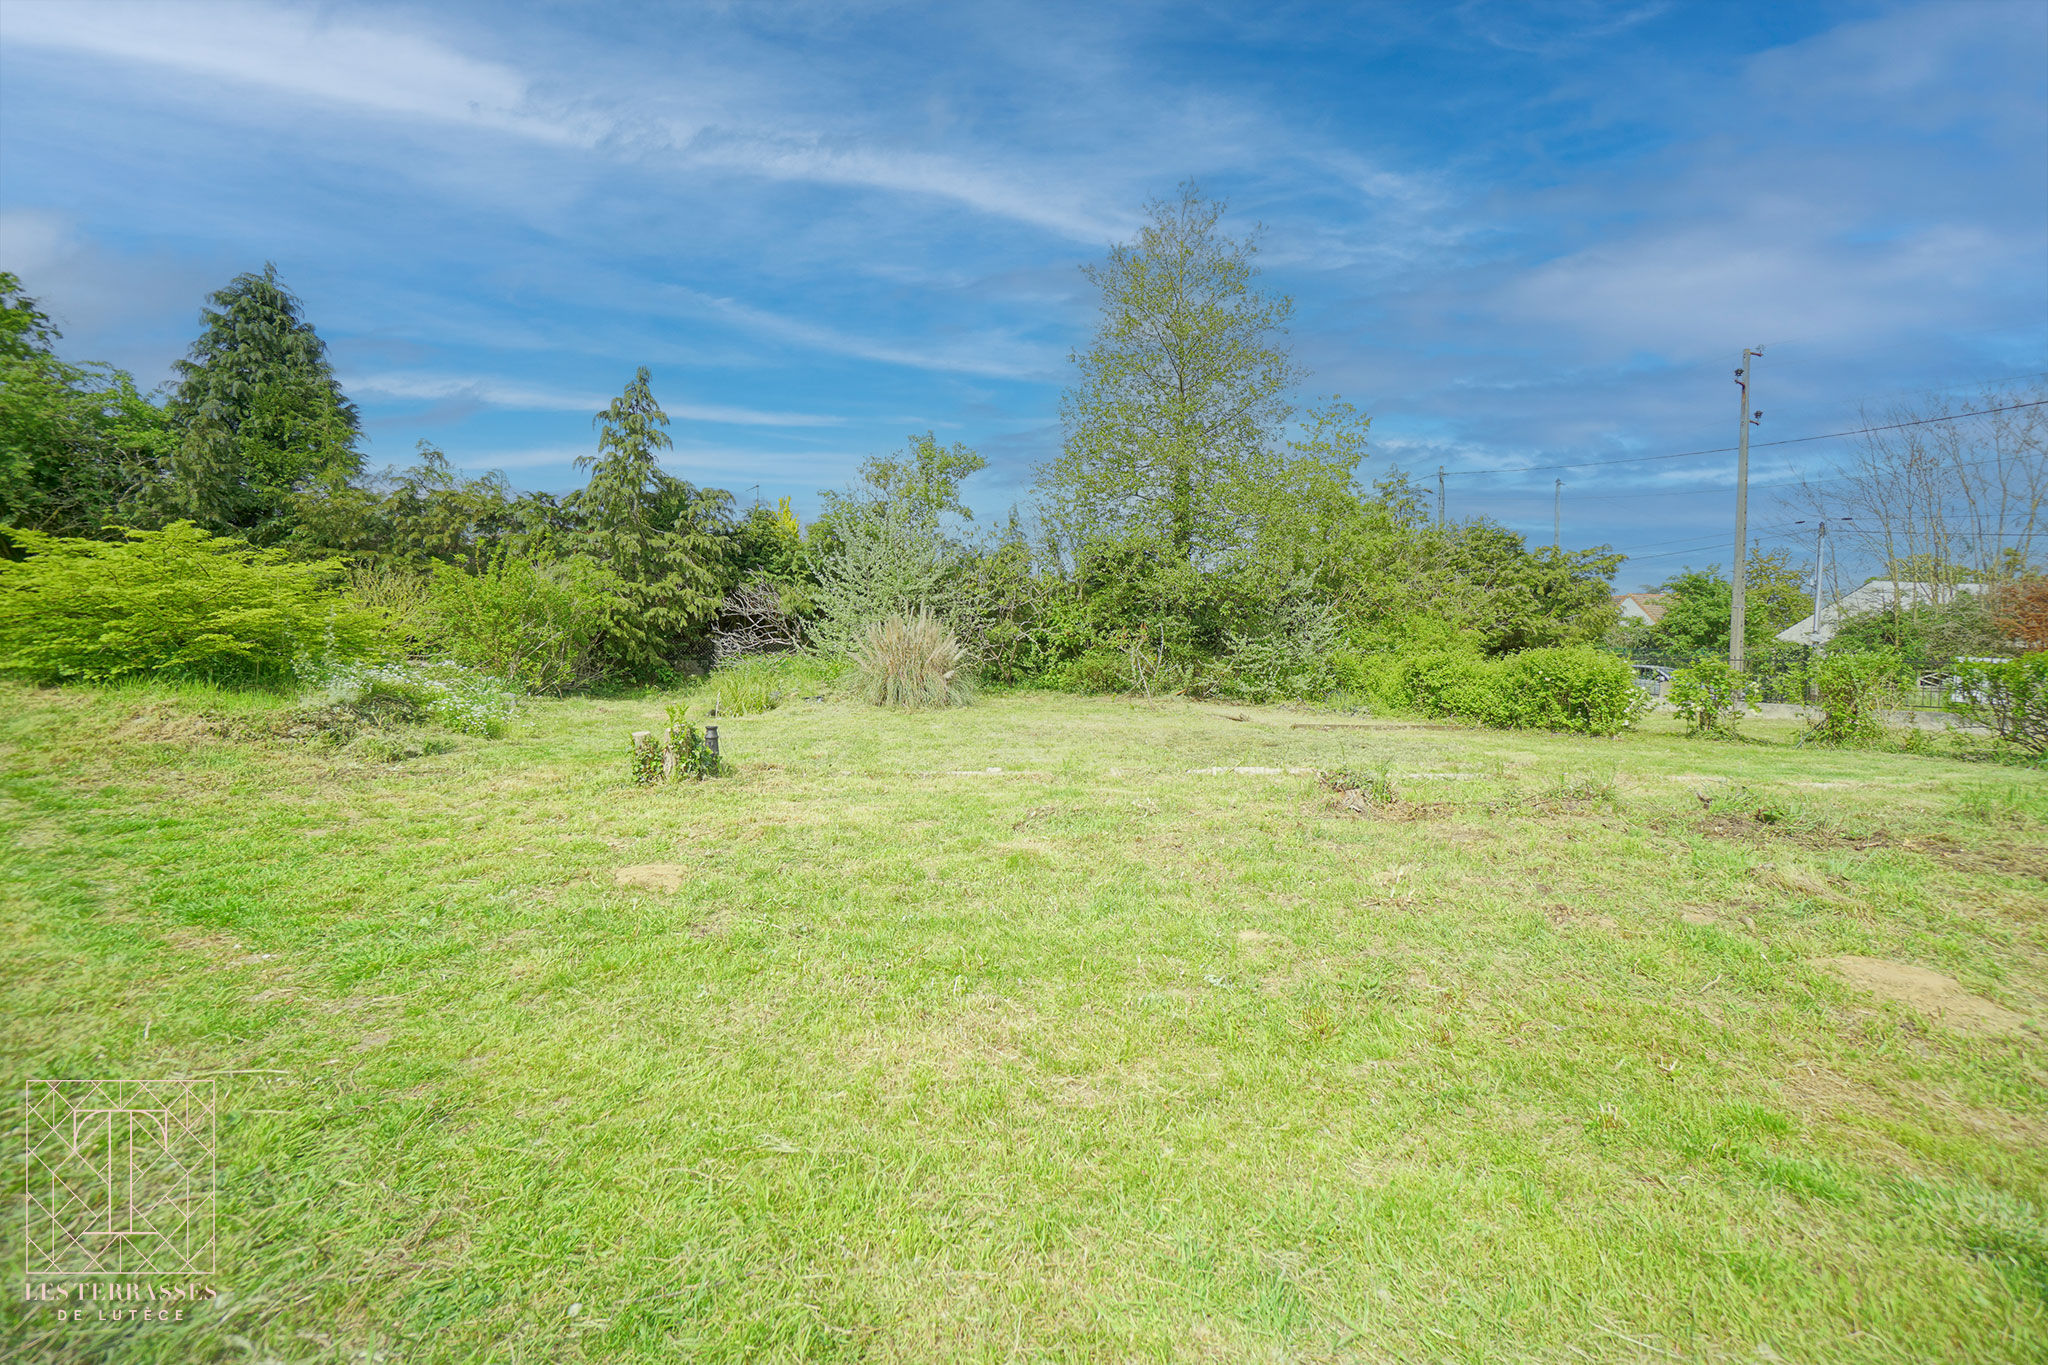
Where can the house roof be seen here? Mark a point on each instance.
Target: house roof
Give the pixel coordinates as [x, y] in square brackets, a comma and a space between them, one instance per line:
[1651, 606]
[1875, 595]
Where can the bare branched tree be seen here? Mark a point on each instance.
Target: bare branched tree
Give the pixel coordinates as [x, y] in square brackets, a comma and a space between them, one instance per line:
[753, 620]
[1956, 499]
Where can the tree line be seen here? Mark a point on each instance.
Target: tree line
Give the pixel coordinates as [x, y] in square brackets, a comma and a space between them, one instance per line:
[1199, 527]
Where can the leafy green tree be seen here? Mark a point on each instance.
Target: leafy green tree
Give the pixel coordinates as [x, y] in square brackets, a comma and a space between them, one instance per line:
[1399, 581]
[1965, 626]
[77, 443]
[260, 413]
[662, 537]
[925, 480]
[1702, 605]
[918, 488]
[1175, 424]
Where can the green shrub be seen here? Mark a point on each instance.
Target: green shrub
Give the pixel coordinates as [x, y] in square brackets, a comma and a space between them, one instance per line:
[172, 603]
[397, 596]
[1585, 691]
[1853, 689]
[912, 661]
[1580, 690]
[1101, 669]
[1447, 684]
[1291, 657]
[1372, 678]
[2008, 697]
[1710, 697]
[538, 626]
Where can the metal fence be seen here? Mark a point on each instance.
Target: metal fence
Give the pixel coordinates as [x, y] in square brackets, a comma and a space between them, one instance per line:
[1781, 677]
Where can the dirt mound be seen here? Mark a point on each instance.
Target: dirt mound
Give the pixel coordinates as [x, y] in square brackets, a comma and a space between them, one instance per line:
[653, 876]
[1930, 992]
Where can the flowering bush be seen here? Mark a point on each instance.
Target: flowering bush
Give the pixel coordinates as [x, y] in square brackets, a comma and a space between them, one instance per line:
[1710, 697]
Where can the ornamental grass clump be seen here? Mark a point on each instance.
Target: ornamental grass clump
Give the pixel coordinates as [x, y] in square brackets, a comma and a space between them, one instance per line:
[912, 661]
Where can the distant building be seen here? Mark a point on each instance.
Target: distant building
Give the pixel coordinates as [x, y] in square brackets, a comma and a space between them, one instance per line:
[1880, 594]
[1645, 607]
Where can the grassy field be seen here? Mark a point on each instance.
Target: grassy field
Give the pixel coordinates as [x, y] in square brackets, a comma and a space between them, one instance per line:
[1042, 1031]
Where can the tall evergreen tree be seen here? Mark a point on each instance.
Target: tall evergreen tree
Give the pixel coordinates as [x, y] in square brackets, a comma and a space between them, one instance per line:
[260, 412]
[658, 533]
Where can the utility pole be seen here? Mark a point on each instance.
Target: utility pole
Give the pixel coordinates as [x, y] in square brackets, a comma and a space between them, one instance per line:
[1820, 550]
[1820, 546]
[1737, 621]
[1557, 517]
[1439, 495]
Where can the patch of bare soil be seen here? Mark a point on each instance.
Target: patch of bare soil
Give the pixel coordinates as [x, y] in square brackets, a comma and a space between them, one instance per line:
[1998, 859]
[1800, 881]
[1754, 828]
[653, 876]
[1568, 916]
[1927, 991]
[1361, 803]
[1257, 943]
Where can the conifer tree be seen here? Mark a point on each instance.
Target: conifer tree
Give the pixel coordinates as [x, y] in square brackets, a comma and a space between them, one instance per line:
[259, 411]
[658, 533]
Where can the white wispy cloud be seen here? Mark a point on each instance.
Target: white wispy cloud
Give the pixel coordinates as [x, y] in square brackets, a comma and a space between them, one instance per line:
[306, 55]
[301, 53]
[993, 354]
[505, 393]
[811, 157]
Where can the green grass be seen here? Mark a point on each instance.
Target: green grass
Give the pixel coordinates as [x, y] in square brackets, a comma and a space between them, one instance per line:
[1099, 1056]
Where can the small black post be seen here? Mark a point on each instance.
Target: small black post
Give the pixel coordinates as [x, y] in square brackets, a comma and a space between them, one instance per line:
[711, 739]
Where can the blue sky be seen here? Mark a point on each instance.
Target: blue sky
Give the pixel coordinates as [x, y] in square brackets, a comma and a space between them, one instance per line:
[1517, 234]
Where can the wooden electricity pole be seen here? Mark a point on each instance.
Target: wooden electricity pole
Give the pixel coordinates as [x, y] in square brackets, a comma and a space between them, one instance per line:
[1736, 617]
[1439, 495]
[1557, 516]
[1820, 549]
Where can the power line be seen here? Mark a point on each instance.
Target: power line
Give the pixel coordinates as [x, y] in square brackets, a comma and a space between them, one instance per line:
[1786, 534]
[1754, 445]
[1725, 488]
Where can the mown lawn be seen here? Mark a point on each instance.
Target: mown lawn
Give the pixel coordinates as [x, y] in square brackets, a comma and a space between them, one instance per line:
[1098, 1056]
